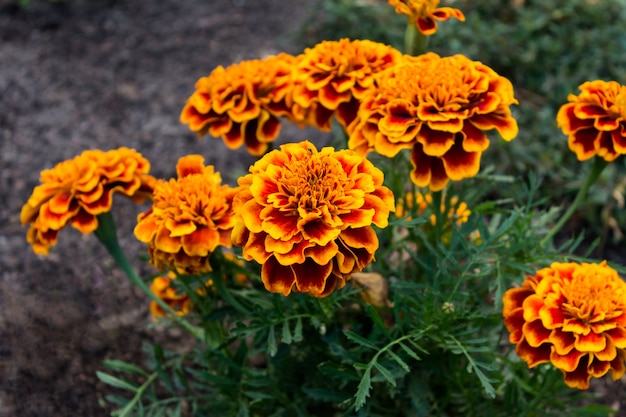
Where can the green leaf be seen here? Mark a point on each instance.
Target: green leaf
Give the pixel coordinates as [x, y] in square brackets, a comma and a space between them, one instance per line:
[363, 391]
[410, 352]
[399, 361]
[121, 366]
[272, 348]
[297, 332]
[385, 373]
[115, 382]
[286, 336]
[360, 340]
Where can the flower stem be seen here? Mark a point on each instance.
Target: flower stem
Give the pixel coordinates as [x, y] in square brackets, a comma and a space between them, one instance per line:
[415, 42]
[107, 235]
[598, 165]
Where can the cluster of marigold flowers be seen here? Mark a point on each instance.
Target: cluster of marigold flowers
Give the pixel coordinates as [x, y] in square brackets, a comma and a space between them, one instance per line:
[307, 216]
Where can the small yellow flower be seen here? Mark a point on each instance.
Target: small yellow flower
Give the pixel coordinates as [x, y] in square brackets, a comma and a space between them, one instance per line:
[162, 287]
[595, 120]
[424, 14]
[191, 216]
[242, 103]
[307, 216]
[439, 108]
[75, 191]
[573, 316]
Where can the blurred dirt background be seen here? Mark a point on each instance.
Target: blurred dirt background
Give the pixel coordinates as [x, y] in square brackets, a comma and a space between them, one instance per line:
[102, 74]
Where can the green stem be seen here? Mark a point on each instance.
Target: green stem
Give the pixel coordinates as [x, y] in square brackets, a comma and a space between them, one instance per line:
[598, 165]
[107, 234]
[415, 42]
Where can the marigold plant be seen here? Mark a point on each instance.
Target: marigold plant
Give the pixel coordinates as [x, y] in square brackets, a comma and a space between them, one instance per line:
[242, 103]
[418, 202]
[424, 14]
[440, 108]
[190, 217]
[163, 288]
[307, 216]
[76, 191]
[573, 316]
[333, 76]
[595, 120]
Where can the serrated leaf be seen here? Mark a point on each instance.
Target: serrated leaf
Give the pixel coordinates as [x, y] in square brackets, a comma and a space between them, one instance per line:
[399, 361]
[385, 373]
[363, 390]
[410, 352]
[286, 336]
[115, 382]
[360, 340]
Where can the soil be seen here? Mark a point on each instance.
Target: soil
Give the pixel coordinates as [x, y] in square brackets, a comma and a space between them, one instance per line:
[105, 74]
[102, 74]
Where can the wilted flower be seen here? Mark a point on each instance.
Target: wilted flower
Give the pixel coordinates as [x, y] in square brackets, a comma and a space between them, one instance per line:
[332, 77]
[307, 215]
[424, 14]
[595, 120]
[75, 191]
[439, 108]
[572, 315]
[190, 217]
[242, 103]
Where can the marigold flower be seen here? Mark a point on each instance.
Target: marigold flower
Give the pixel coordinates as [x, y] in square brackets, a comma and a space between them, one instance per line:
[190, 217]
[425, 13]
[75, 191]
[332, 77]
[595, 120]
[162, 287]
[307, 215]
[242, 103]
[572, 315]
[439, 108]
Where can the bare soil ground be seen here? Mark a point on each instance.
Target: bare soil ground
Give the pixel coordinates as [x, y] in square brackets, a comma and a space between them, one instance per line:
[101, 74]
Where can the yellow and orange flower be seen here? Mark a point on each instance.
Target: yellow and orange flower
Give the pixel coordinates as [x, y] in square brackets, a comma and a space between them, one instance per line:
[572, 315]
[75, 191]
[424, 14]
[190, 217]
[332, 77]
[242, 103]
[162, 287]
[307, 215]
[595, 120]
[439, 108]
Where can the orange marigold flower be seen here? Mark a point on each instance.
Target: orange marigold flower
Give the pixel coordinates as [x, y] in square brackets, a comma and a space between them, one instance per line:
[424, 14]
[162, 287]
[439, 108]
[307, 215]
[595, 120]
[242, 103]
[77, 190]
[190, 217]
[572, 315]
[333, 76]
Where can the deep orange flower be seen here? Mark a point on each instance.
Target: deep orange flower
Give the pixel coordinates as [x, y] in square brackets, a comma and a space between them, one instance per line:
[333, 76]
[307, 215]
[190, 217]
[242, 103]
[439, 108]
[424, 14]
[162, 287]
[572, 315]
[595, 120]
[75, 191]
